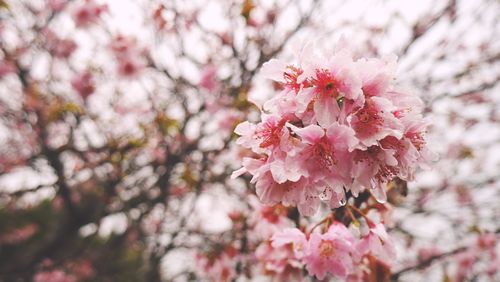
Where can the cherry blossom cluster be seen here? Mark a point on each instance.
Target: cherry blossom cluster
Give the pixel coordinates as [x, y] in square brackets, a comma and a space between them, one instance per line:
[218, 264]
[337, 252]
[275, 248]
[337, 126]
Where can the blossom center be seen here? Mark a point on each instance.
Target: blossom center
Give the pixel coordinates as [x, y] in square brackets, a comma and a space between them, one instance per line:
[271, 133]
[324, 154]
[368, 121]
[326, 249]
[291, 78]
[298, 246]
[417, 139]
[325, 83]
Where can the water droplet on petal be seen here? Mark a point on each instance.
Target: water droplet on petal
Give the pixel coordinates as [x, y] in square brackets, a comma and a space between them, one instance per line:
[342, 199]
[379, 194]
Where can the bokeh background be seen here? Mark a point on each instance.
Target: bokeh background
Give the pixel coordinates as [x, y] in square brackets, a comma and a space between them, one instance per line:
[117, 119]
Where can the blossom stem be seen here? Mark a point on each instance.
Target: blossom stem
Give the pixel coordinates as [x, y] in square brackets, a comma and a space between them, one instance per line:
[326, 219]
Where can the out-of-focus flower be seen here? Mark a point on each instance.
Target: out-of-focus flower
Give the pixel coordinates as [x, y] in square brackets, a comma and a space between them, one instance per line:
[88, 13]
[83, 269]
[218, 265]
[83, 83]
[465, 263]
[267, 220]
[58, 47]
[57, 5]
[130, 67]
[291, 236]
[378, 244]
[19, 235]
[129, 57]
[279, 262]
[53, 276]
[487, 241]
[6, 67]
[208, 79]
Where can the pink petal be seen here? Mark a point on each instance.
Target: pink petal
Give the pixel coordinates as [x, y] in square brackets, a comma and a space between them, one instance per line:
[342, 136]
[327, 110]
[310, 134]
[274, 69]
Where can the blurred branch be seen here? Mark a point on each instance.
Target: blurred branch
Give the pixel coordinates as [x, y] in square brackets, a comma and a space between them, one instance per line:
[425, 263]
[424, 25]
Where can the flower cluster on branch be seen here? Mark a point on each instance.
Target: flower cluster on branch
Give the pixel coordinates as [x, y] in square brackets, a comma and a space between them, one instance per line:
[338, 125]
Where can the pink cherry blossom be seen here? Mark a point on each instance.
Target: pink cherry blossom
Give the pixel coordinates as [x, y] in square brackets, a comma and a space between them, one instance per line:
[122, 45]
[376, 121]
[325, 153]
[19, 235]
[88, 13]
[465, 264]
[279, 262]
[377, 243]
[6, 67]
[377, 75]
[218, 265]
[57, 5]
[130, 58]
[83, 84]
[130, 66]
[268, 133]
[208, 79]
[53, 276]
[267, 220]
[331, 253]
[338, 125]
[487, 241]
[330, 85]
[293, 237]
[59, 47]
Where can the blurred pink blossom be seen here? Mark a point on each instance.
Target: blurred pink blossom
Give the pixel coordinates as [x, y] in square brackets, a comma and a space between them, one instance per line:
[53, 276]
[6, 67]
[83, 83]
[88, 13]
[208, 79]
[57, 5]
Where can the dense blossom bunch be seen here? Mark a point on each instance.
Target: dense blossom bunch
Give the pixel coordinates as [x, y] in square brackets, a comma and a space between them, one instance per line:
[286, 251]
[337, 126]
[336, 252]
[218, 264]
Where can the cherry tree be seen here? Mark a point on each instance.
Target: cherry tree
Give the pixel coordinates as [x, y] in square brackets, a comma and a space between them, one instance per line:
[249, 140]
